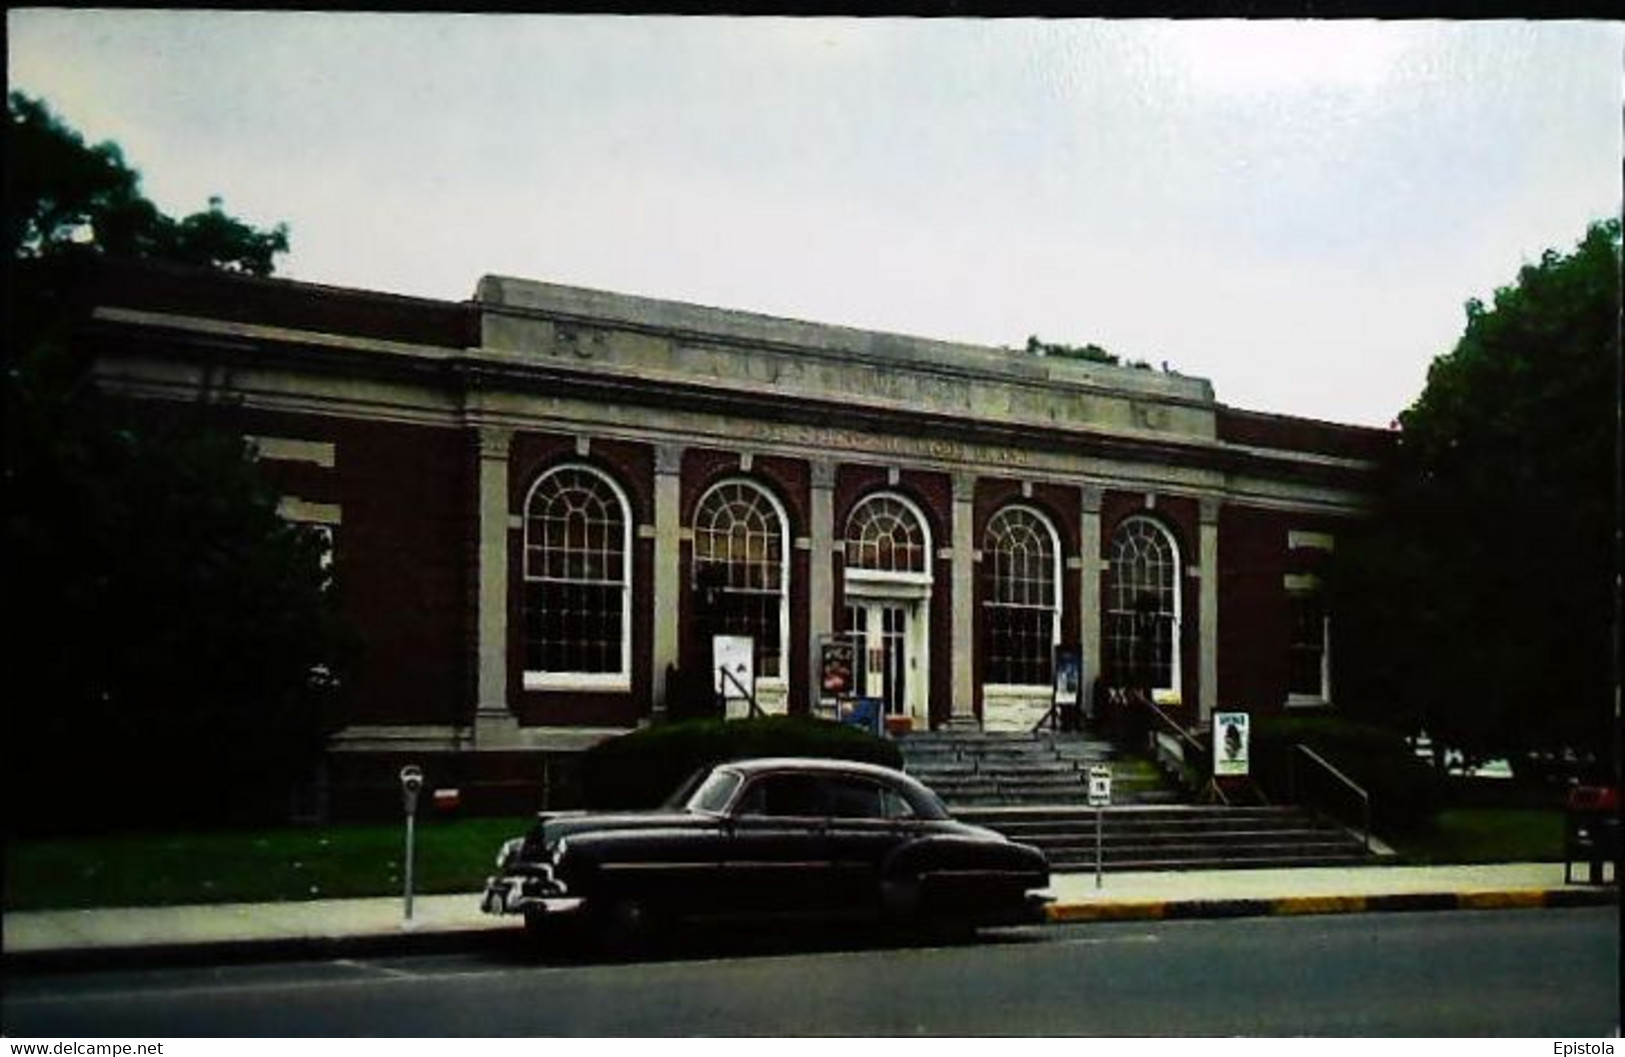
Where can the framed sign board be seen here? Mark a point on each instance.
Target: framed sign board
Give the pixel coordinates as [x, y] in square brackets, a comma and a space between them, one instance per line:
[1068, 676]
[735, 654]
[1100, 785]
[1231, 743]
[835, 668]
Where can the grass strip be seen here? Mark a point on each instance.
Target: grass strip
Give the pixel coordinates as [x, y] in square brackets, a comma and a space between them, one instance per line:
[269, 865]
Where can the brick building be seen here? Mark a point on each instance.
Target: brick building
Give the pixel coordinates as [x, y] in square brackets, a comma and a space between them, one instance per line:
[544, 501]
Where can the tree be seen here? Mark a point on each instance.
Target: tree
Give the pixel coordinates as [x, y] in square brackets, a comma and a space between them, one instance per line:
[1480, 603]
[177, 639]
[1090, 353]
[1087, 353]
[65, 198]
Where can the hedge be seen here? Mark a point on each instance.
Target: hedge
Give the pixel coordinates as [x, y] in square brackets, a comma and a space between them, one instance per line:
[1405, 792]
[642, 769]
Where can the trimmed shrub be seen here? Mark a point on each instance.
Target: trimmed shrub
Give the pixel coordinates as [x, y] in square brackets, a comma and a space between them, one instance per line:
[1405, 792]
[642, 769]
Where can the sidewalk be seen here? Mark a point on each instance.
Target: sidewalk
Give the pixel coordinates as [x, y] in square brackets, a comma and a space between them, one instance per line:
[336, 928]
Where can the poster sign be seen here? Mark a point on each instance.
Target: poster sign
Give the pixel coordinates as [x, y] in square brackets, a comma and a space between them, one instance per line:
[1068, 676]
[835, 668]
[1230, 743]
[734, 654]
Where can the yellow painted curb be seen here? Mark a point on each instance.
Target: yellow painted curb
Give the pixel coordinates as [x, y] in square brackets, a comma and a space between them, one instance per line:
[1528, 897]
[1140, 911]
[1318, 905]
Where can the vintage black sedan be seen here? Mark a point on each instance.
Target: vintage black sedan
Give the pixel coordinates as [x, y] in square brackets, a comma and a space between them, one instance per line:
[772, 837]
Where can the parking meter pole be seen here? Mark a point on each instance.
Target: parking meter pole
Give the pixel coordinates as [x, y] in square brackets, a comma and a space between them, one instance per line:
[411, 785]
[410, 820]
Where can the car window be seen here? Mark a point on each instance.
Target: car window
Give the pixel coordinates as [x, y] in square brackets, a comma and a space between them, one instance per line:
[714, 793]
[895, 805]
[785, 796]
[855, 798]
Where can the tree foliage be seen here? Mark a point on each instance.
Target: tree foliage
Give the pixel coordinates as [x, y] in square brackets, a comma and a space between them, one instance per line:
[1086, 353]
[1479, 604]
[64, 198]
[175, 641]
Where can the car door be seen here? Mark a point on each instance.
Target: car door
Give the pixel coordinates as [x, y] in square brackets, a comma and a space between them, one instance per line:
[868, 820]
[776, 858]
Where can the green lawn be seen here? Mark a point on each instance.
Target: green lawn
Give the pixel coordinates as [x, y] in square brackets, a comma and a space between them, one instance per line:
[325, 862]
[1485, 835]
[271, 865]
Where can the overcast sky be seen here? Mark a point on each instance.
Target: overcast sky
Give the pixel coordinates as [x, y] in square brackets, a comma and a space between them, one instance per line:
[1296, 211]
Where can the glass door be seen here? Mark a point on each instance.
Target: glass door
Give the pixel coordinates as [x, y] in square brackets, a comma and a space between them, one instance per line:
[880, 632]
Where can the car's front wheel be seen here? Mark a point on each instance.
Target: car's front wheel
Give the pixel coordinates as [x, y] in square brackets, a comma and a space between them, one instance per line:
[625, 925]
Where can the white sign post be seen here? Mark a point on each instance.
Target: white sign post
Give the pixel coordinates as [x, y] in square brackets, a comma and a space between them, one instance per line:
[735, 655]
[1100, 795]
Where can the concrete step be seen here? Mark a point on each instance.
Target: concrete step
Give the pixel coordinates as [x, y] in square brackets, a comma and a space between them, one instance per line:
[996, 769]
[1173, 837]
[1230, 862]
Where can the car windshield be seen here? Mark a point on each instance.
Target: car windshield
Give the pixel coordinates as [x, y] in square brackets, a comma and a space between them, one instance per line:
[715, 792]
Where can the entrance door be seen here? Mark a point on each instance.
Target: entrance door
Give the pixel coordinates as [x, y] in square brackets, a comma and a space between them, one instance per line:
[882, 636]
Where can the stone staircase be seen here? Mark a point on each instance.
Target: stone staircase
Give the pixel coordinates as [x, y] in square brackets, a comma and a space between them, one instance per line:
[1034, 788]
[977, 768]
[1175, 837]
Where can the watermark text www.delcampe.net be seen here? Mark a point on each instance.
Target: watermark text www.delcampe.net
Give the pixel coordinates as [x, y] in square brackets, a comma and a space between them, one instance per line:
[89, 1049]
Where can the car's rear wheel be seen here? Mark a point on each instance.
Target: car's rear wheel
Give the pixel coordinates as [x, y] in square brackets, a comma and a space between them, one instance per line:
[907, 903]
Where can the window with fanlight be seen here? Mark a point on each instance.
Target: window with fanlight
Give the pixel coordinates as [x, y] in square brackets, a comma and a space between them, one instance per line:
[577, 581]
[1021, 614]
[885, 534]
[741, 569]
[1143, 607]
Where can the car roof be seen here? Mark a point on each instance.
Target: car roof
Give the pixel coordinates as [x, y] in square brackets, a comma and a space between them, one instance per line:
[819, 764]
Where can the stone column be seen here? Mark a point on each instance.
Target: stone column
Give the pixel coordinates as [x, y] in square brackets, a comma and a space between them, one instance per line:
[667, 567]
[1091, 610]
[964, 579]
[493, 718]
[1208, 615]
[820, 568]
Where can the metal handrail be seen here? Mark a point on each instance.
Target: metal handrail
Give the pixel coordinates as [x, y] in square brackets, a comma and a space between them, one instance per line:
[1365, 798]
[1167, 720]
[750, 695]
[1055, 717]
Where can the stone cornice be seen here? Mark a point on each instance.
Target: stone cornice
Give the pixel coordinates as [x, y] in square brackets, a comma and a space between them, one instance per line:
[470, 380]
[515, 299]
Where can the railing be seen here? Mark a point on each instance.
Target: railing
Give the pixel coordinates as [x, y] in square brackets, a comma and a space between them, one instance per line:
[1295, 790]
[750, 695]
[1172, 746]
[1060, 717]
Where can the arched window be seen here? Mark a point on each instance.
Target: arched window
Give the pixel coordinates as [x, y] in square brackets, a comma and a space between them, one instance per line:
[886, 534]
[1021, 560]
[1143, 607]
[577, 581]
[741, 569]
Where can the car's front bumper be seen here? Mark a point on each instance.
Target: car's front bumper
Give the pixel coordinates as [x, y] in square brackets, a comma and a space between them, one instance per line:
[527, 890]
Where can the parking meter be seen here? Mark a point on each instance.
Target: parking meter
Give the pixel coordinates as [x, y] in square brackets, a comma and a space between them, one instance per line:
[411, 786]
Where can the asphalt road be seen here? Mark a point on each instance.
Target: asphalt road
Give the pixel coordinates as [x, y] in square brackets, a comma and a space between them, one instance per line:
[1499, 973]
